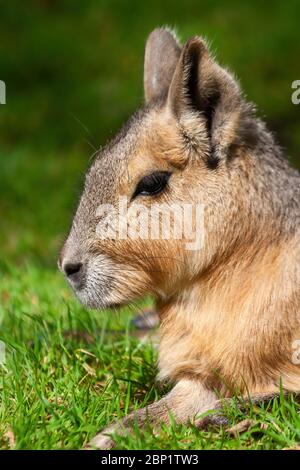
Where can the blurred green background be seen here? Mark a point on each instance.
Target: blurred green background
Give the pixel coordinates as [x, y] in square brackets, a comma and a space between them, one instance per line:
[73, 72]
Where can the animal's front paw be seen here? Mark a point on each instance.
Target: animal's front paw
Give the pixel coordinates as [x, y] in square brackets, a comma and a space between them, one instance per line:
[216, 420]
[102, 441]
[105, 439]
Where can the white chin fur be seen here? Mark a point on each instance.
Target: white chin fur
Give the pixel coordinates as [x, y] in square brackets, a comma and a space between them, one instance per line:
[98, 285]
[109, 284]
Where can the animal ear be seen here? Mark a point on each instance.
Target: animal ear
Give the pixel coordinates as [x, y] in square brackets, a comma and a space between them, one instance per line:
[201, 88]
[161, 56]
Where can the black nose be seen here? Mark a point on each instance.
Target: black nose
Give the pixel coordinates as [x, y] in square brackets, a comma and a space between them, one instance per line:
[73, 271]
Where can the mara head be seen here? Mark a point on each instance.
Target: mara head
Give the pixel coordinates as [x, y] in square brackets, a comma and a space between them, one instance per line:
[175, 158]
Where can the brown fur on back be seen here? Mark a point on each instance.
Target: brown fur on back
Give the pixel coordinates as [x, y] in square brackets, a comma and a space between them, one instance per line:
[230, 311]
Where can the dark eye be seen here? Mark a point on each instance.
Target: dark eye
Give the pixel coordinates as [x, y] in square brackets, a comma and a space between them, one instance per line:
[152, 184]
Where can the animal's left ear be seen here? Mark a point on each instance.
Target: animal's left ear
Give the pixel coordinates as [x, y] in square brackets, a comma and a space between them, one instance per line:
[201, 89]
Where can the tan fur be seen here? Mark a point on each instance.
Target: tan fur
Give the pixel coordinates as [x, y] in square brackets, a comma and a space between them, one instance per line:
[186, 399]
[229, 311]
[238, 316]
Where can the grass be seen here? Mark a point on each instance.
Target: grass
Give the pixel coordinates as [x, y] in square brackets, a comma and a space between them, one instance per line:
[58, 390]
[73, 72]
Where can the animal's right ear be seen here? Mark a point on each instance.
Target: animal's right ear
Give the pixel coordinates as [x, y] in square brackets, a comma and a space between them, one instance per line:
[161, 56]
